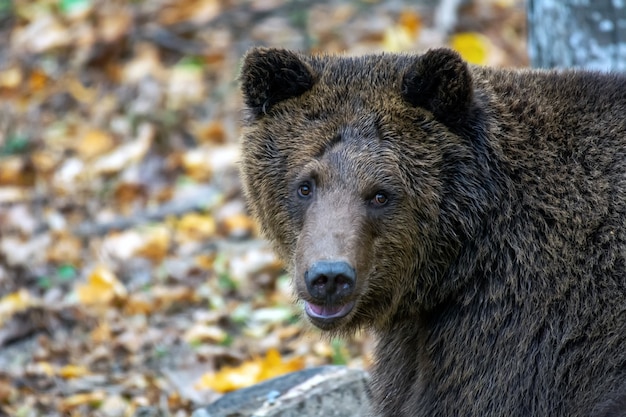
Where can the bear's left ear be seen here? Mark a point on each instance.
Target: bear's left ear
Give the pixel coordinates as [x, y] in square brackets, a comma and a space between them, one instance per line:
[269, 76]
[440, 82]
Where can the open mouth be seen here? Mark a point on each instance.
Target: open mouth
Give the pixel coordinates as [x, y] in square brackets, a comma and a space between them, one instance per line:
[327, 312]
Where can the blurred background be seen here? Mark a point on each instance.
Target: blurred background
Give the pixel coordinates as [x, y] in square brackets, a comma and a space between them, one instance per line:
[131, 276]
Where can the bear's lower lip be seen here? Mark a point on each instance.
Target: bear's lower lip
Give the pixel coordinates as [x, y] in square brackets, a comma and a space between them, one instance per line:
[327, 312]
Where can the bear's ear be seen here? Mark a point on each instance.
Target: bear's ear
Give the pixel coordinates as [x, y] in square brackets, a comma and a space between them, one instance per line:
[269, 76]
[440, 82]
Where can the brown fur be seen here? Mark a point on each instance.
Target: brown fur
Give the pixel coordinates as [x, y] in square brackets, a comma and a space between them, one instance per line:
[493, 270]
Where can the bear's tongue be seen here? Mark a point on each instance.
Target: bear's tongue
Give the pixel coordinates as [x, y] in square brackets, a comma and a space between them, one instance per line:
[327, 311]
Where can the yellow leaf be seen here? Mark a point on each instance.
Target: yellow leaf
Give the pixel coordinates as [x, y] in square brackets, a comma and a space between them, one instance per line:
[397, 39]
[66, 249]
[210, 133]
[102, 333]
[13, 303]
[42, 368]
[101, 288]
[194, 227]
[11, 78]
[72, 371]
[205, 333]
[73, 401]
[249, 372]
[195, 163]
[473, 47]
[404, 34]
[156, 244]
[80, 92]
[238, 225]
[411, 21]
[274, 365]
[139, 304]
[93, 143]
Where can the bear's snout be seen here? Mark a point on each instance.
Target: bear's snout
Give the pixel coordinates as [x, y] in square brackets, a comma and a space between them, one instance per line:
[329, 284]
[330, 281]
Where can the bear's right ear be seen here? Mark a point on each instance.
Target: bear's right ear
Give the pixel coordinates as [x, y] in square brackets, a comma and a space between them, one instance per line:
[440, 82]
[269, 76]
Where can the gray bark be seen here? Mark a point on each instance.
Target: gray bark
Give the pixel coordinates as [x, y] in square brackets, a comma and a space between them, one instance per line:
[577, 33]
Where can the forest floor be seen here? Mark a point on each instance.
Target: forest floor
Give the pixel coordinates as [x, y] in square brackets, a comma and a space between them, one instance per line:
[132, 279]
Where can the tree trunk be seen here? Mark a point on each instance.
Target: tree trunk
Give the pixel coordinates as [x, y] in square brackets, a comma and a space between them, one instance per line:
[577, 33]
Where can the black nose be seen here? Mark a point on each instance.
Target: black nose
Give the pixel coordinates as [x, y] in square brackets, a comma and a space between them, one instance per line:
[330, 281]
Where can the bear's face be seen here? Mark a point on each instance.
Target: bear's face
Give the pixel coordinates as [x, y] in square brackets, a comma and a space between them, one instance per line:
[345, 165]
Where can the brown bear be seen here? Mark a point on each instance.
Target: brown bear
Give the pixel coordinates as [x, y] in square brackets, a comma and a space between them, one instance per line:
[474, 219]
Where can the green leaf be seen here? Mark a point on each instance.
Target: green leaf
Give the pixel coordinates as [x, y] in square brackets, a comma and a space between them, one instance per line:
[66, 272]
[70, 7]
[340, 353]
[16, 144]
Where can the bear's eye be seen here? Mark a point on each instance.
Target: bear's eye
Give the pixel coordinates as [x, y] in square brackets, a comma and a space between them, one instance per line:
[379, 200]
[304, 190]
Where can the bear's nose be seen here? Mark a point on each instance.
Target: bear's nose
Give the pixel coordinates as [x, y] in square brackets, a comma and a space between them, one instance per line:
[330, 281]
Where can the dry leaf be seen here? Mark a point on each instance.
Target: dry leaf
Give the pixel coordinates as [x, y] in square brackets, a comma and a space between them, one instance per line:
[73, 401]
[196, 164]
[41, 35]
[13, 303]
[14, 170]
[156, 243]
[72, 371]
[195, 227]
[147, 62]
[102, 333]
[205, 333]
[165, 297]
[101, 288]
[112, 27]
[210, 133]
[80, 92]
[11, 78]
[139, 304]
[238, 225]
[404, 34]
[186, 86]
[65, 249]
[473, 47]
[250, 372]
[126, 154]
[13, 194]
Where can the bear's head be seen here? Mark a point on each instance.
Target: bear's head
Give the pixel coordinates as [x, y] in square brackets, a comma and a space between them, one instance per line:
[367, 175]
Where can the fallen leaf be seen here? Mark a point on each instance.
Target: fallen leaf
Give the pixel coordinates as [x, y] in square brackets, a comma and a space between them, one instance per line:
[404, 34]
[156, 243]
[250, 372]
[67, 249]
[14, 170]
[238, 225]
[73, 401]
[102, 333]
[211, 133]
[205, 333]
[13, 303]
[126, 154]
[11, 78]
[101, 288]
[80, 92]
[72, 371]
[195, 227]
[42, 34]
[473, 47]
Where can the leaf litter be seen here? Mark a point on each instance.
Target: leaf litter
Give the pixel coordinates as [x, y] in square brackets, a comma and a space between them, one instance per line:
[132, 278]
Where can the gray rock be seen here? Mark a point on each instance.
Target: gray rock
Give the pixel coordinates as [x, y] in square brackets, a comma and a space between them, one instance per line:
[329, 391]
